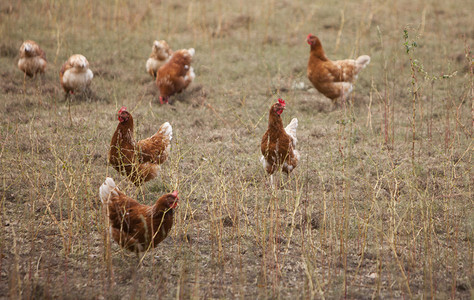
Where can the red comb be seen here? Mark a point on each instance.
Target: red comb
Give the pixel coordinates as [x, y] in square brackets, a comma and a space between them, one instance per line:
[309, 35]
[122, 109]
[175, 194]
[282, 102]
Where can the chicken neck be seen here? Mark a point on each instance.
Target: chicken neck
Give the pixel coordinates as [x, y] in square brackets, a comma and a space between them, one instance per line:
[124, 131]
[317, 51]
[275, 124]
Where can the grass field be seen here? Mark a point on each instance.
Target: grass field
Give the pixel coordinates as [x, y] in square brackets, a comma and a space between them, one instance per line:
[380, 205]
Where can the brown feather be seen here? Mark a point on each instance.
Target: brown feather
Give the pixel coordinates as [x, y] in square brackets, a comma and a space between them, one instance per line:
[331, 78]
[139, 161]
[171, 76]
[277, 146]
[137, 227]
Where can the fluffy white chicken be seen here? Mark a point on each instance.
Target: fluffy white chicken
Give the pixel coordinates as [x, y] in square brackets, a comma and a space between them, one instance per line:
[160, 54]
[32, 59]
[75, 75]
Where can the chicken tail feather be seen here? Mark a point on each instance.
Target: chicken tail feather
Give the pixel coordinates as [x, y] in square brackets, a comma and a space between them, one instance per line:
[362, 61]
[189, 76]
[291, 129]
[166, 130]
[106, 189]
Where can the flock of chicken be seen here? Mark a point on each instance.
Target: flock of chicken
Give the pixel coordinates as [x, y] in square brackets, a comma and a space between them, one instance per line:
[138, 227]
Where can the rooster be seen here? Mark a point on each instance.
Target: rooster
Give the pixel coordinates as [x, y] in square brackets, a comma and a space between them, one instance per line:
[139, 161]
[75, 75]
[160, 54]
[32, 59]
[174, 76]
[134, 226]
[278, 143]
[332, 78]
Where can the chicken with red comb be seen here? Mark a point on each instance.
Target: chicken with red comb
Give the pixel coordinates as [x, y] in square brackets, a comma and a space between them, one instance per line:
[278, 144]
[139, 161]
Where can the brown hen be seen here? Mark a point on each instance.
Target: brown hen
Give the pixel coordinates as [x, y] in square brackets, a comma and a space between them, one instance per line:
[278, 143]
[174, 76]
[333, 79]
[139, 161]
[134, 226]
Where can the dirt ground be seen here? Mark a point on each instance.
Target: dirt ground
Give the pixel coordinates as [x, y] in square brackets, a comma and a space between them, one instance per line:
[380, 205]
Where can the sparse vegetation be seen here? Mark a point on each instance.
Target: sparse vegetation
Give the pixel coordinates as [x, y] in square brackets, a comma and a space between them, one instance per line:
[380, 205]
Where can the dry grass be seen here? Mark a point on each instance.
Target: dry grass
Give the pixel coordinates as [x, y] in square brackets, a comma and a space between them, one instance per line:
[379, 207]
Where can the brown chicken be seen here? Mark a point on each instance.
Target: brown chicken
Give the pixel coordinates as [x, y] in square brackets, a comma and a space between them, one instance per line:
[32, 59]
[278, 143]
[138, 161]
[174, 76]
[333, 79]
[134, 226]
[75, 75]
[160, 54]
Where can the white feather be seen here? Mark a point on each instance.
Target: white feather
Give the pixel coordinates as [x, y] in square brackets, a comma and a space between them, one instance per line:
[78, 79]
[362, 61]
[297, 154]
[264, 162]
[152, 64]
[190, 75]
[291, 130]
[167, 130]
[107, 188]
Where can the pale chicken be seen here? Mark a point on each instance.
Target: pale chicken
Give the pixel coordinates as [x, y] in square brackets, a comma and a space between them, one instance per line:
[160, 54]
[75, 75]
[32, 59]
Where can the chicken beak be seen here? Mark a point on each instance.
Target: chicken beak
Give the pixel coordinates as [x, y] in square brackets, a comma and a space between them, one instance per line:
[175, 203]
[175, 194]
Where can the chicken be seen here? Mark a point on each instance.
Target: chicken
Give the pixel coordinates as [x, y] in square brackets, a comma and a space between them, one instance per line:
[75, 75]
[174, 76]
[332, 78]
[32, 59]
[139, 161]
[278, 143]
[134, 226]
[160, 54]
